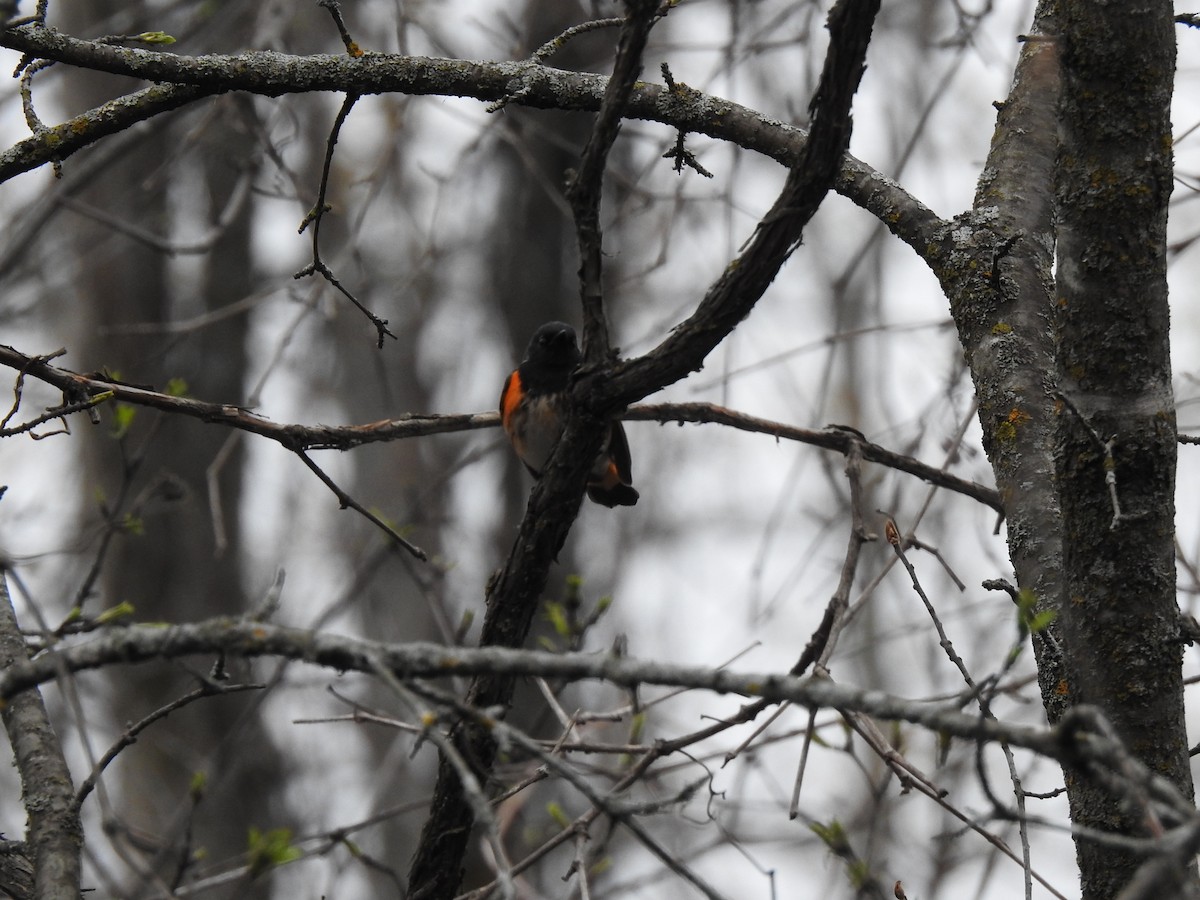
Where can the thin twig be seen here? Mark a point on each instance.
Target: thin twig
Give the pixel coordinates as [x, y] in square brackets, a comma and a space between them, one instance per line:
[1110, 464]
[317, 213]
[335, 10]
[130, 734]
[347, 501]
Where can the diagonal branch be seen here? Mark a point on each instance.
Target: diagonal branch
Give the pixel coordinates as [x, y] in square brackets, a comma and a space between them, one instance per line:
[55, 143]
[83, 392]
[747, 278]
[831, 438]
[513, 595]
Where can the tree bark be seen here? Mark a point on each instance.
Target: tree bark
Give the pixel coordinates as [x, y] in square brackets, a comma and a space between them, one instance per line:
[1116, 442]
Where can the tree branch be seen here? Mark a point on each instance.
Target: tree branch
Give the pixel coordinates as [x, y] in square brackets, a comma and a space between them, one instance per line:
[997, 277]
[301, 438]
[1078, 741]
[514, 594]
[56, 142]
[746, 278]
[526, 83]
[142, 643]
[586, 185]
[831, 438]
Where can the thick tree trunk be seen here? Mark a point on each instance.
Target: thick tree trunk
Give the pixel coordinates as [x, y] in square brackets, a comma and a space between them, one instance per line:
[1117, 416]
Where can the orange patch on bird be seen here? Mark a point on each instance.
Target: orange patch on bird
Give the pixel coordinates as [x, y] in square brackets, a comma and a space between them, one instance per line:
[512, 396]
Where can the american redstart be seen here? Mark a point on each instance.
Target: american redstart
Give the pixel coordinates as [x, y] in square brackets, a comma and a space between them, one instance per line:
[533, 409]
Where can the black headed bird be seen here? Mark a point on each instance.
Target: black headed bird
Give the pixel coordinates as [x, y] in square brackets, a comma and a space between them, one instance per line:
[533, 409]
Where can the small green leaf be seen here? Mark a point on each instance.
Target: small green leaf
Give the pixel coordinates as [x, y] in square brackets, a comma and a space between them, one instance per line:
[558, 815]
[556, 615]
[600, 866]
[123, 416]
[833, 835]
[132, 524]
[1029, 617]
[177, 387]
[1042, 619]
[122, 610]
[198, 786]
[267, 849]
[858, 873]
[155, 37]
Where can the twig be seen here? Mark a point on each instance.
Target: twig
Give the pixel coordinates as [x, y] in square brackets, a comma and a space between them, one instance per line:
[556, 43]
[130, 735]
[1110, 463]
[624, 813]
[982, 697]
[347, 501]
[835, 611]
[52, 413]
[335, 10]
[679, 153]
[317, 213]
[830, 438]
[892, 532]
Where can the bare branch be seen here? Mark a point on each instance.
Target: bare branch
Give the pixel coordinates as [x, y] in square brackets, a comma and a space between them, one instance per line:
[585, 187]
[317, 213]
[830, 438]
[1076, 742]
[527, 83]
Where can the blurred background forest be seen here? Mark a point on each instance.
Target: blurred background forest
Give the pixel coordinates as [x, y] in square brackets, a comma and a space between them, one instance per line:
[165, 255]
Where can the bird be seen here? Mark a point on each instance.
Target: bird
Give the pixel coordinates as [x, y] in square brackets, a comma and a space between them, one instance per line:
[533, 410]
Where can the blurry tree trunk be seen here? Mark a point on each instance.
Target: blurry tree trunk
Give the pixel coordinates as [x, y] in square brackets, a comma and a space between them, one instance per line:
[152, 480]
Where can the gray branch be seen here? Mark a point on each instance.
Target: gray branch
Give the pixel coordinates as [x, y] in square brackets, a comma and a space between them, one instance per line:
[143, 643]
[184, 79]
